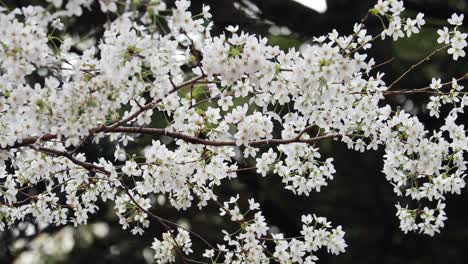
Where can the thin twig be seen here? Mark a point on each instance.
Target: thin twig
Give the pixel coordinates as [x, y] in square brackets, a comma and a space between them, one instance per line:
[428, 57]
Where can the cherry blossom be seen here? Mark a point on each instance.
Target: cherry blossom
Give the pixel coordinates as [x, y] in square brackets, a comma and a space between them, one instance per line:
[220, 96]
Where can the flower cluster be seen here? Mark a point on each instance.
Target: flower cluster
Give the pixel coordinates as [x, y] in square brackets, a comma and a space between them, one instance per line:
[248, 243]
[171, 243]
[455, 38]
[397, 26]
[430, 223]
[301, 171]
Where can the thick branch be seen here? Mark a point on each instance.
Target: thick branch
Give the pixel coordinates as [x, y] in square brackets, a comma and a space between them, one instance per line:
[197, 140]
[31, 140]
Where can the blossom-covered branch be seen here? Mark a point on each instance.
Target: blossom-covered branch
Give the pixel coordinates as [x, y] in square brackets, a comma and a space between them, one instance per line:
[222, 99]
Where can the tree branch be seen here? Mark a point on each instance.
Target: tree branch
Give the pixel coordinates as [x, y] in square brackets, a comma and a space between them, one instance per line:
[147, 106]
[428, 57]
[188, 138]
[207, 142]
[88, 166]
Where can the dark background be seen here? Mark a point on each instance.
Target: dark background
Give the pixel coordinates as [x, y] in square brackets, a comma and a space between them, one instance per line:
[359, 198]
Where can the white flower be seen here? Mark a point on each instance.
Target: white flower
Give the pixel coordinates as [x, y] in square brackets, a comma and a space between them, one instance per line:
[207, 101]
[444, 36]
[225, 102]
[206, 12]
[253, 205]
[420, 20]
[57, 24]
[108, 6]
[436, 84]
[456, 50]
[209, 253]
[456, 20]
[131, 168]
[232, 29]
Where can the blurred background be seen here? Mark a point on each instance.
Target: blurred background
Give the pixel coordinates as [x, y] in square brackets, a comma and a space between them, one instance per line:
[359, 198]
